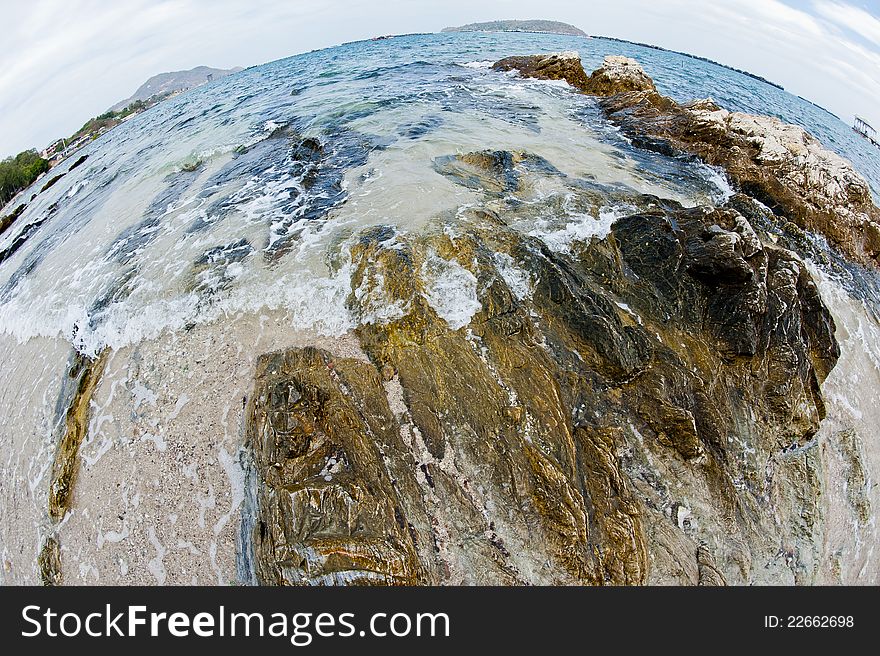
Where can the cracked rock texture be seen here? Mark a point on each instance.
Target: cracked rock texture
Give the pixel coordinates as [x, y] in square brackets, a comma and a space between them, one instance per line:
[628, 420]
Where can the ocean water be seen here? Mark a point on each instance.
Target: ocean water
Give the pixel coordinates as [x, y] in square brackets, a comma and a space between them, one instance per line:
[246, 194]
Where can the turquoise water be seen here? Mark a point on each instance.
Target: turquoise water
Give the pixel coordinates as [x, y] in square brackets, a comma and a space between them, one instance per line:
[680, 77]
[246, 193]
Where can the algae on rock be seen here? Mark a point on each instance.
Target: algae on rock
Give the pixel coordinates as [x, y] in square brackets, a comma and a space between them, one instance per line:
[648, 378]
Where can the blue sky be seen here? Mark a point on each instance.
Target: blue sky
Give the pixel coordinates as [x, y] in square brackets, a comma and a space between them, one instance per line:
[64, 61]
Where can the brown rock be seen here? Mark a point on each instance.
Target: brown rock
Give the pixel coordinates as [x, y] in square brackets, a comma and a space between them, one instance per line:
[554, 66]
[618, 75]
[327, 511]
[778, 164]
[86, 373]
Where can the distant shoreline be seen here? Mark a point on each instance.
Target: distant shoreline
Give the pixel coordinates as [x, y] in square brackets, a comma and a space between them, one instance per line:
[697, 57]
[644, 45]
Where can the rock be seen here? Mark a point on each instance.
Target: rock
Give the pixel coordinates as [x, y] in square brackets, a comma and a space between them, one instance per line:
[492, 171]
[328, 510]
[496, 172]
[708, 571]
[624, 442]
[74, 412]
[514, 413]
[84, 374]
[554, 66]
[617, 75]
[214, 271]
[49, 563]
[778, 164]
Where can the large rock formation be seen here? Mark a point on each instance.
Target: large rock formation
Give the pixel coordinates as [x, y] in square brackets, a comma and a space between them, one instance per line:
[554, 66]
[630, 412]
[618, 75]
[778, 164]
[639, 407]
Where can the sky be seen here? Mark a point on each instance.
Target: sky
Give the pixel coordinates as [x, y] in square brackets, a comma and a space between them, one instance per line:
[64, 61]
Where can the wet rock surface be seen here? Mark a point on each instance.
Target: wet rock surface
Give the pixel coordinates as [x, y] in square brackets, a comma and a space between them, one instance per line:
[329, 508]
[555, 66]
[73, 408]
[780, 165]
[623, 414]
[84, 374]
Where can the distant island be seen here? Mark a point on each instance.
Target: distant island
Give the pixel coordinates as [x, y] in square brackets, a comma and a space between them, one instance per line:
[539, 26]
[158, 88]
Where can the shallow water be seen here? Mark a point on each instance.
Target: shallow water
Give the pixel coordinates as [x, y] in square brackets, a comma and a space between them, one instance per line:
[290, 164]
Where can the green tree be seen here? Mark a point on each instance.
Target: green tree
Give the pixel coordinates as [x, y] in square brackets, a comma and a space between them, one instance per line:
[18, 172]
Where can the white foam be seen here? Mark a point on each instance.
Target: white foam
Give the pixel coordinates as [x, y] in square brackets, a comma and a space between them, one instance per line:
[578, 228]
[313, 301]
[375, 304]
[717, 177]
[518, 281]
[478, 64]
[626, 308]
[451, 290]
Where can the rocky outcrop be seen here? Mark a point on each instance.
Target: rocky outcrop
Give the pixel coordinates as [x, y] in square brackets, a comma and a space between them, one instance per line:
[73, 407]
[619, 414]
[330, 510]
[554, 66]
[84, 374]
[780, 165]
[618, 75]
[49, 562]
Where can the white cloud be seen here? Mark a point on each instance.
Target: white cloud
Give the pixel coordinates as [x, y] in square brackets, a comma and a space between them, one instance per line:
[852, 18]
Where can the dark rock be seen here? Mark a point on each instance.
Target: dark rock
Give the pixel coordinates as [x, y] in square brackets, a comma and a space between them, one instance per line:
[554, 66]
[764, 157]
[79, 161]
[539, 443]
[52, 181]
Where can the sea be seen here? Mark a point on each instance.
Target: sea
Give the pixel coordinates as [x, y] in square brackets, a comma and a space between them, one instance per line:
[244, 195]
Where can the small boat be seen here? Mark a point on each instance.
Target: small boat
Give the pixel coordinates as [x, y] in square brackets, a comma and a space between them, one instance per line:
[866, 130]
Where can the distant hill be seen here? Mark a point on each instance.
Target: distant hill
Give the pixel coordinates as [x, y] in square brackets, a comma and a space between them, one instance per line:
[167, 83]
[542, 26]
